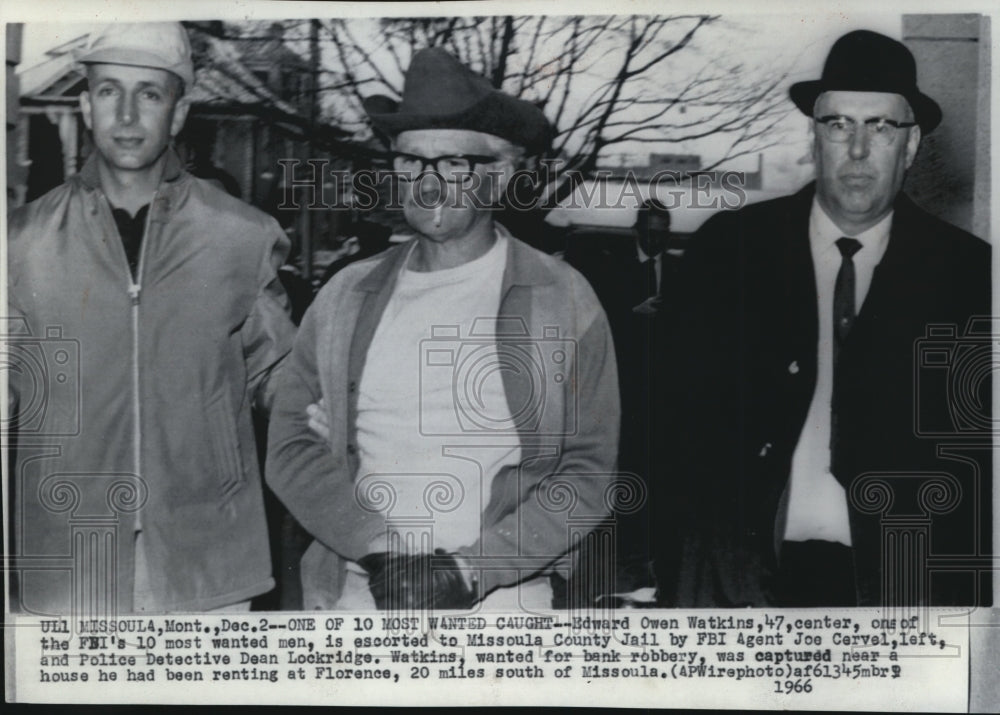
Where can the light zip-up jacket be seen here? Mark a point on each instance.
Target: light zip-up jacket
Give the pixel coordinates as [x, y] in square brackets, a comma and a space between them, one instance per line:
[537, 510]
[134, 395]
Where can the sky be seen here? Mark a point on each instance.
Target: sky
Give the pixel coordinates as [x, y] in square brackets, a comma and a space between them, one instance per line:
[749, 38]
[811, 36]
[41, 37]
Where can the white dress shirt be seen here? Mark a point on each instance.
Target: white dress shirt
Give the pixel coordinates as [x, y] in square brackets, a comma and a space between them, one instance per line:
[817, 503]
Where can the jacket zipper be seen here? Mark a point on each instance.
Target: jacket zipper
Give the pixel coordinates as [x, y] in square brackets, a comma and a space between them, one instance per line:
[135, 292]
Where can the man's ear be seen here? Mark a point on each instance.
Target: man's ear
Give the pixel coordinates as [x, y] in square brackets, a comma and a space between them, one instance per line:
[912, 144]
[85, 108]
[181, 108]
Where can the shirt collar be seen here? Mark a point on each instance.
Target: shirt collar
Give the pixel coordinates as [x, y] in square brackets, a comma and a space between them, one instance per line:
[172, 169]
[641, 254]
[823, 232]
[524, 266]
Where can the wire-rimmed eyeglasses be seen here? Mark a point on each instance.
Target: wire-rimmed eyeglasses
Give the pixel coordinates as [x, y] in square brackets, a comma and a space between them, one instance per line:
[881, 131]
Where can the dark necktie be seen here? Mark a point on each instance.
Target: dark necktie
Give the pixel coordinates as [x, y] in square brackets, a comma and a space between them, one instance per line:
[843, 320]
[843, 294]
[650, 266]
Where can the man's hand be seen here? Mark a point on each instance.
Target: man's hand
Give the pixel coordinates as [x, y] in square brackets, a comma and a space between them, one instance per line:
[411, 582]
[319, 423]
[650, 306]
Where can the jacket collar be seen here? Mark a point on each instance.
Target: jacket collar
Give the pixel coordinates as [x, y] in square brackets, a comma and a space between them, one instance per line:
[906, 236]
[795, 266]
[802, 200]
[90, 177]
[523, 268]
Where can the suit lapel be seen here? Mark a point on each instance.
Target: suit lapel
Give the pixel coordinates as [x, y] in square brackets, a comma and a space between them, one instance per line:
[800, 331]
[799, 277]
[894, 276]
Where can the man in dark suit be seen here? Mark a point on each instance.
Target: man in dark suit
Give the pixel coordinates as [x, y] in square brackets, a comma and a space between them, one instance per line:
[803, 466]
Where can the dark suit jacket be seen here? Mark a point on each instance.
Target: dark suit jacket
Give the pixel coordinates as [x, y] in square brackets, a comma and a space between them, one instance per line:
[743, 354]
[621, 282]
[612, 266]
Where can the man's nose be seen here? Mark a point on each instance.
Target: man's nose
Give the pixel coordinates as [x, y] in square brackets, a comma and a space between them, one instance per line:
[860, 142]
[430, 184]
[126, 110]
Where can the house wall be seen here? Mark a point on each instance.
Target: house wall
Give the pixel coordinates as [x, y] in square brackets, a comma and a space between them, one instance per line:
[16, 172]
[951, 176]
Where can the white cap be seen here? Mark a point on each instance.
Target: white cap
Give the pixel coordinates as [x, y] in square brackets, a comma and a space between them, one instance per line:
[162, 45]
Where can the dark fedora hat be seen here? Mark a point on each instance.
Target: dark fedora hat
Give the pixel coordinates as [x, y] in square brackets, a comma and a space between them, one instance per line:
[865, 61]
[439, 92]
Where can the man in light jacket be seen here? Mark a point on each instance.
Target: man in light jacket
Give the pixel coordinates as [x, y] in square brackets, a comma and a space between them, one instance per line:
[146, 318]
[467, 384]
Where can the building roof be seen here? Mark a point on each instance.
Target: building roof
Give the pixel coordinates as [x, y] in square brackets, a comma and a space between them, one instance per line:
[223, 79]
[56, 79]
[223, 83]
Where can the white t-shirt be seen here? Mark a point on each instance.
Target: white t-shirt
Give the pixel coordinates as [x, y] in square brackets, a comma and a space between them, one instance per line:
[433, 418]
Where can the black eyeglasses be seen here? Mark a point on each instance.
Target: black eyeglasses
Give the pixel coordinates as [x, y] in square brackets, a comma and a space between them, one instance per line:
[881, 131]
[448, 165]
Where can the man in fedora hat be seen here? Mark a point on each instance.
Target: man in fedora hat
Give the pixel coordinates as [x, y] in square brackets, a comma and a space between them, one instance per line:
[796, 452]
[461, 387]
[164, 294]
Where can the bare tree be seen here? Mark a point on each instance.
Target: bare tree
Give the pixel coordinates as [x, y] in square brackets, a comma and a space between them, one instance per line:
[610, 85]
[606, 82]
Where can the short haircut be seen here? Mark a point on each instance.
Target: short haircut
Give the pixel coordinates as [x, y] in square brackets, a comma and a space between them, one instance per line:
[178, 86]
[648, 207]
[908, 115]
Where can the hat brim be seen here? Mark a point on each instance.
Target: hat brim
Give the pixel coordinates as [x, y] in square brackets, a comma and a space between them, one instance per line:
[926, 111]
[515, 120]
[133, 57]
